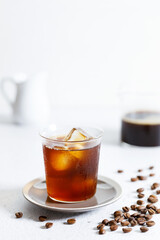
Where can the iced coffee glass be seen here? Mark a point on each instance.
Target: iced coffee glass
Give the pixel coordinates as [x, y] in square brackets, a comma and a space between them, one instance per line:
[71, 158]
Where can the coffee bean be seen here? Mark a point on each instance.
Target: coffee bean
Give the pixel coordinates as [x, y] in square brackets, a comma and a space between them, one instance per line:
[42, 218]
[148, 217]
[134, 179]
[101, 225]
[102, 231]
[48, 225]
[140, 202]
[152, 174]
[139, 190]
[158, 211]
[126, 230]
[151, 167]
[125, 209]
[118, 213]
[19, 214]
[153, 207]
[144, 211]
[133, 223]
[120, 171]
[154, 186]
[119, 219]
[140, 170]
[141, 221]
[135, 215]
[133, 207]
[140, 195]
[142, 178]
[112, 222]
[105, 222]
[152, 200]
[151, 211]
[158, 192]
[140, 208]
[113, 227]
[150, 223]
[144, 229]
[126, 215]
[150, 205]
[71, 221]
[125, 223]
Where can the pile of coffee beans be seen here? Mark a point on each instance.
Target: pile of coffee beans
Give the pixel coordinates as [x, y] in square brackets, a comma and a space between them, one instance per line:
[142, 214]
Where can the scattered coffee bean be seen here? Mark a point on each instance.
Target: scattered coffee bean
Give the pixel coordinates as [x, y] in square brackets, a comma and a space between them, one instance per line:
[154, 186]
[133, 223]
[151, 167]
[119, 219]
[150, 223]
[126, 215]
[42, 218]
[151, 211]
[134, 179]
[142, 178]
[141, 221]
[120, 171]
[158, 192]
[125, 209]
[105, 222]
[140, 208]
[140, 195]
[144, 211]
[152, 174]
[140, 170]
[139, 190]
[152, 199]
[101, 225]
[144, 229]
[135, 215]
[112, 222]
[71, 221]
[125, 223]
[153, 207]
[133, 207]
[19, 214]
[113, 227]
[148, 217]
[150, 205]
[126, 230]
[140, 202]
[48, 225]
[118, 213]
[158, 211]
[102, 231]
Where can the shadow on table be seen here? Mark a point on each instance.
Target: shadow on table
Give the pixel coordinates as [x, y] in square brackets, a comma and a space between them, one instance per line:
[13, 201]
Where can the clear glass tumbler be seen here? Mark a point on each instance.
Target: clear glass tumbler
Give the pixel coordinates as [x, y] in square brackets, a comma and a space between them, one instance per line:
[71, 162]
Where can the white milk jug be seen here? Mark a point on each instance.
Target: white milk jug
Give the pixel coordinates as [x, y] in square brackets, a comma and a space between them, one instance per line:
[31, 104]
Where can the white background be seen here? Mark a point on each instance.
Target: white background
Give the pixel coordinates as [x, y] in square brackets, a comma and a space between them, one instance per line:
[88, 47]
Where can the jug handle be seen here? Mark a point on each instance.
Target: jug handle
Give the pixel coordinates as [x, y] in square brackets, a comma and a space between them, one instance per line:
[3, 90]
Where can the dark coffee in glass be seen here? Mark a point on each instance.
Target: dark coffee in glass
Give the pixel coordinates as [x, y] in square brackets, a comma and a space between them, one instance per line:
[141, 128]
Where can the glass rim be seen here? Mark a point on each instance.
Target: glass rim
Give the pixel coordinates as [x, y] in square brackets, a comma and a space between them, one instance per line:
[82, 141]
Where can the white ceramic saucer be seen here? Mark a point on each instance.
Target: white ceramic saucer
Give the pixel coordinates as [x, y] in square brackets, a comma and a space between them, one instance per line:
[107, 192]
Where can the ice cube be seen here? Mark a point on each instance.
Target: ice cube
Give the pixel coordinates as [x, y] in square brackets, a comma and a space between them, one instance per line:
[77, 134]
[62, 160]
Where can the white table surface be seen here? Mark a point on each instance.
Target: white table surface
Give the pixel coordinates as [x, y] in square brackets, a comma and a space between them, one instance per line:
[21, 161]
